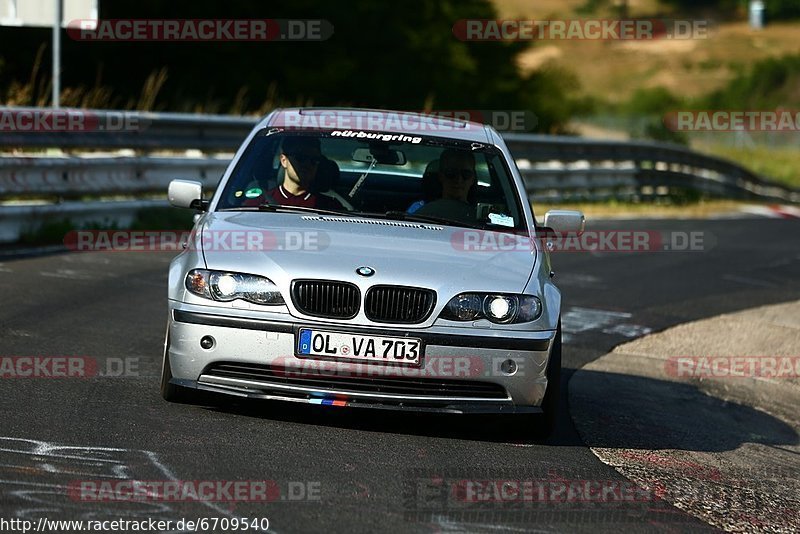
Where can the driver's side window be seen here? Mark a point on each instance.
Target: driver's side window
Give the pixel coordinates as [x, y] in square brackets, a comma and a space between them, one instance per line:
[251, 177]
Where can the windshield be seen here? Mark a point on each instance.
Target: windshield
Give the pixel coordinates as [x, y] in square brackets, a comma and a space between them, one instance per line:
[385, 175]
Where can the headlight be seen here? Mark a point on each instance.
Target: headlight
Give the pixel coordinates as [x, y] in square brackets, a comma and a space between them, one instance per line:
[225, 287]
[464, 307]
[502, 309]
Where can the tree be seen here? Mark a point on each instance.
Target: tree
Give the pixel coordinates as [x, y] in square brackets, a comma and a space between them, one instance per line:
[396, 55]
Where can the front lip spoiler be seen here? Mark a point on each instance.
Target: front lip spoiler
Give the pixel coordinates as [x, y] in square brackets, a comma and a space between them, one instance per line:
[497, 406]
[428, 338]
[331, 393]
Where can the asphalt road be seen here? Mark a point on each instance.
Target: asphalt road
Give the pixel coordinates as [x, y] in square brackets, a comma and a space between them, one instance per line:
[365, 471]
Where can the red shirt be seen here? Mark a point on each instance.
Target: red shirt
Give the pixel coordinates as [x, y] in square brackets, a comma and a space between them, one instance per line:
[281, 196]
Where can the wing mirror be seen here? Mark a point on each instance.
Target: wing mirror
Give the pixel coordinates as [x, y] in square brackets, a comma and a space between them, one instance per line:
[187, 194]
[565, 221]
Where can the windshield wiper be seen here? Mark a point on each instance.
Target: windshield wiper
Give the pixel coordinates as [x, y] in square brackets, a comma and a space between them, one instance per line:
[403, 216]
[269, 206]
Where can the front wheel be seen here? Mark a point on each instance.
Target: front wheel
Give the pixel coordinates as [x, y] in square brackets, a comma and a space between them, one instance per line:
[540, 426]
[170, 392]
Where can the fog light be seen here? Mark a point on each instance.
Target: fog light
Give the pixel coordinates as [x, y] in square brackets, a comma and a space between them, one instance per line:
[207, 342]
[509, 367]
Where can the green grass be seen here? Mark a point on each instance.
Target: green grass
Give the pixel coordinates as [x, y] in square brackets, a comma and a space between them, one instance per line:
[163, 219]
[779, 164]
[612, 71]
[53, 231]
[694, 210]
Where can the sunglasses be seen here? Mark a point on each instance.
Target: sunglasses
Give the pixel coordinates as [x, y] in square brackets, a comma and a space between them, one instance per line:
[304, 159]
[464, 174]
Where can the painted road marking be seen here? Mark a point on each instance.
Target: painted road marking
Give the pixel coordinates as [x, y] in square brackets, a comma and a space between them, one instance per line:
[577, 320]
[54, 467]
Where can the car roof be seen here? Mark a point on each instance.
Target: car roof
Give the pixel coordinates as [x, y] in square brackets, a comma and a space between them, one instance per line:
[438, 124]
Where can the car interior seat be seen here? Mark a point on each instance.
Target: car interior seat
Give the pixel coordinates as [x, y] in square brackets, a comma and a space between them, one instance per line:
[327, 176]
[326, 180]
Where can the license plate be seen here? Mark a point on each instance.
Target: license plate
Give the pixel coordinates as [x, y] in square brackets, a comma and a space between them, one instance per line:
[339, 345]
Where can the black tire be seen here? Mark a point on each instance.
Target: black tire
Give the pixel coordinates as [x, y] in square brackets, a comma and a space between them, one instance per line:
[540, 426]
[552, 397]
[170, 392]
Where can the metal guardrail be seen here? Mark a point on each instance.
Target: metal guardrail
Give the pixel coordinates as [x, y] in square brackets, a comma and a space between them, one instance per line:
[76, 177]
[17, 220]
[632, 170]
[554, 168]
[137, 130]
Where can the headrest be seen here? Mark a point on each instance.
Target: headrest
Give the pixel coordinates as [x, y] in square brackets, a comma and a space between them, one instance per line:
[431, 188]
[327, 176]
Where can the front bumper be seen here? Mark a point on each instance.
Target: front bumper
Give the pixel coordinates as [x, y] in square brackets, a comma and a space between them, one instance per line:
[462, 370]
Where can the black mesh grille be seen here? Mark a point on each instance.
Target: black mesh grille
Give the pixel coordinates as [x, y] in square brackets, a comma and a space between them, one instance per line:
[342, 383]
[397, 304]
[325, 298]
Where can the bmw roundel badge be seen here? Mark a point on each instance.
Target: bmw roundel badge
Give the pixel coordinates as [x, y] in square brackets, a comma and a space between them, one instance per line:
[365, 271]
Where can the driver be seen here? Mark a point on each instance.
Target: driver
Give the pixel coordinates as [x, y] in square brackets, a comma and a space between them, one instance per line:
[301, 159]
[457, 178]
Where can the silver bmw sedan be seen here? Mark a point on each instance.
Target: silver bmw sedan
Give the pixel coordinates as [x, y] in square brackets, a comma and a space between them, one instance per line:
[365, 258]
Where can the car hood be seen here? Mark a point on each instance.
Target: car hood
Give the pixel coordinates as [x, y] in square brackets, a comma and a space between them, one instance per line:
[288, 246]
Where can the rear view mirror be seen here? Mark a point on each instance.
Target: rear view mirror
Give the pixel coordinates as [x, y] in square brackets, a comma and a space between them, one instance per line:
[565, 221]
[378, 154]
[186, 194]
